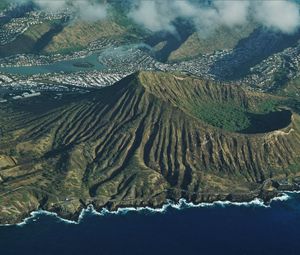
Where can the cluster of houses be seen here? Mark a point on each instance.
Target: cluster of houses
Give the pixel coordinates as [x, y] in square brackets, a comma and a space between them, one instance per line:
[24, 95]
[263, 75]
[17, 26]
[38, 60]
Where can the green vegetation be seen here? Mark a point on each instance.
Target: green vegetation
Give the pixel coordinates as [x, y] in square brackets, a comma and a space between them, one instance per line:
[222, 38]
[267, 105]
[281, 78]
[295, 167]
[137, 143]
[290, 93]
[33, 40]
[78, 35]
[36, 31]
[227, 107]
[290, 88]
[60, 37]
[233, 117]
[223, 115]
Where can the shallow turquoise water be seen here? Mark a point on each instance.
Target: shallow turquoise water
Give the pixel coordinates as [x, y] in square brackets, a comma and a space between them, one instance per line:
[66, 66]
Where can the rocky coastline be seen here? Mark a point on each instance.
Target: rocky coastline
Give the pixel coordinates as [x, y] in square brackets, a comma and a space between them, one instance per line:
[269, 190]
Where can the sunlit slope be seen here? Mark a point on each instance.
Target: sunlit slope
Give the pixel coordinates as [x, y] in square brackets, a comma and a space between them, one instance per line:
[79, 34]
[33, 40]
[137, 143]
[221, 39]
[60, 37]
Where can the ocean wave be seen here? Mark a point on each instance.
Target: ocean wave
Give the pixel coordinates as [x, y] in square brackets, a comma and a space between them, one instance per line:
[283, 197]
[293, 192]
[180, 205]
[36, 214]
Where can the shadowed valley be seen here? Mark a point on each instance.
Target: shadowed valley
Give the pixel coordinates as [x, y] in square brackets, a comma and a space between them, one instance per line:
[150, 137]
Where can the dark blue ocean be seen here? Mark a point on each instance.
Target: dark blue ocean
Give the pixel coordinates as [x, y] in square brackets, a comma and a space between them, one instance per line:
[219, 229]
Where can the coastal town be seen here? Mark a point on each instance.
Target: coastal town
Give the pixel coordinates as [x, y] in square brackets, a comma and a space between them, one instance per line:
[133, 127]
[19, 25]
[116, 58]
[118, 62]
[38, 60]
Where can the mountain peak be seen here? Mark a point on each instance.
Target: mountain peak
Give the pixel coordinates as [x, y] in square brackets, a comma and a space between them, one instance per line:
[146, 139]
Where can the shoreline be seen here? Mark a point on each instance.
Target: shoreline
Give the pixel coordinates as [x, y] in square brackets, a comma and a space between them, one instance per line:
[180, 205]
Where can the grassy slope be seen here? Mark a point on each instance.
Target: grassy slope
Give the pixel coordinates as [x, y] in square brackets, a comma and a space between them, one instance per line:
[226, 116]
[222, 38]
[230, 113]
[134, 143]
[80, 34]
[26, 42]
[291, 89]
[75, 36]
[37, 31]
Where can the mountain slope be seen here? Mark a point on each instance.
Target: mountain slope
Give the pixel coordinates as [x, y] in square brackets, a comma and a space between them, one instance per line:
[222, 39]
[33, 40]
[79, 34]
[136, 143]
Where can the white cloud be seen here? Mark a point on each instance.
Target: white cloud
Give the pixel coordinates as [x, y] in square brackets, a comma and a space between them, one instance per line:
[88, 10]
[232, 12]
[158, 15]
[280, 15]
[154, 15]
[50, 5]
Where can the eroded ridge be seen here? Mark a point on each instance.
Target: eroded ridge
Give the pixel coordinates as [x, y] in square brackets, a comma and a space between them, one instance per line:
[137, 143]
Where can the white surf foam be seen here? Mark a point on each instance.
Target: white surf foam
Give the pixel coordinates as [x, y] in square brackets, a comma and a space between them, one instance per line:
[36, 214]
[180, 205]
[293, 192]
[183, 204]
[283, 197]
